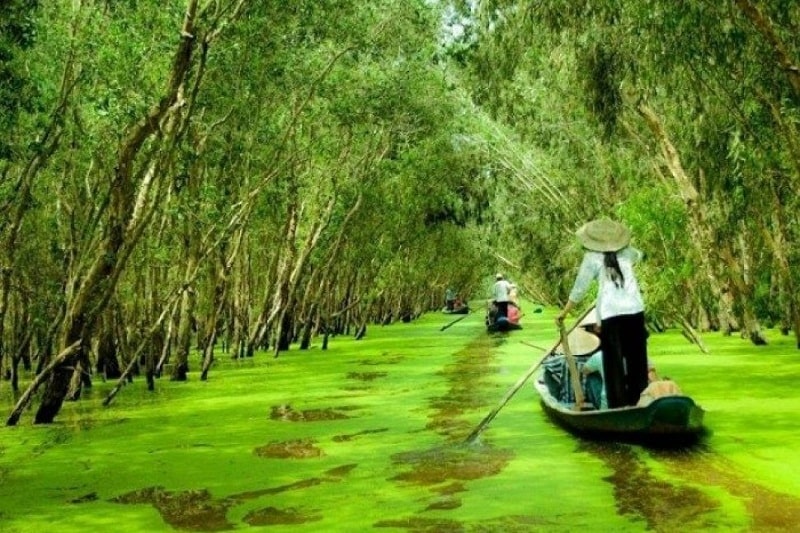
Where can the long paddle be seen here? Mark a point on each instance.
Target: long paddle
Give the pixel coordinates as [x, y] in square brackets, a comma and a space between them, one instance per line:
[462, 317]
[526, 343]
[573, 368]
[518, 385]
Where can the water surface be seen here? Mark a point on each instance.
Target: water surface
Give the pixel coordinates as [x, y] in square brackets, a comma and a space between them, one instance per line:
[369, 435]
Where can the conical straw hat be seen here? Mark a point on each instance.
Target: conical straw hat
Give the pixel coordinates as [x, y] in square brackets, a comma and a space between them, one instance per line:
[590, 319]
[581, 342]
[604, 235]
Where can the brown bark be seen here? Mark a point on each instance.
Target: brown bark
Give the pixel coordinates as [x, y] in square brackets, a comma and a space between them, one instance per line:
[144, 342]
[700, 234]
[767, 30]
[107, 357]
[183, 337]
[742, 296]
[219, 302]
[788, 293]
[38, 380]
[122, 229]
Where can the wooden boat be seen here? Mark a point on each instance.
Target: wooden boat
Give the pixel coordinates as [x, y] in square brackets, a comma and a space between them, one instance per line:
[462, 310]
[666, 421]
[504, 323]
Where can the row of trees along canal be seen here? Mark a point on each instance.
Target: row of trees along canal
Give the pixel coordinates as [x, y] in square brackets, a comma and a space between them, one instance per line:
[680, 119]
[235, 173]
[249, 174]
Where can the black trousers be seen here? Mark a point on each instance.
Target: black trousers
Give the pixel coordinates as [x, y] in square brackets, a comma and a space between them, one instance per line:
[502, 309]
[623, 340]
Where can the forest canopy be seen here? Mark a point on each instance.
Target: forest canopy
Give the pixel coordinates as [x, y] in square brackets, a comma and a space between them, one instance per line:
[193, 176]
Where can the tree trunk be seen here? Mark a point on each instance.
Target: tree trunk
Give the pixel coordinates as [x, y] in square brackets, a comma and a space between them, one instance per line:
[107, 360]
[700, 231]
[183, 341]
[124, 226]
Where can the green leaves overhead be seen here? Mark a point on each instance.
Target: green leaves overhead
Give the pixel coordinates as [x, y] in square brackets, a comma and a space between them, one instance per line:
[617, 101]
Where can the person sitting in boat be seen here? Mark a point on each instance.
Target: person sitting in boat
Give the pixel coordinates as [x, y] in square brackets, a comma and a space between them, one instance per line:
[595, 385]
[657, 388]
[513, 313]
[582, 344]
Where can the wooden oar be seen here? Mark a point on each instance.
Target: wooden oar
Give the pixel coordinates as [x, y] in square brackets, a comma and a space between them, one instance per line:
[526, 343]
[462, 317]
[573, 368]
[518, 385]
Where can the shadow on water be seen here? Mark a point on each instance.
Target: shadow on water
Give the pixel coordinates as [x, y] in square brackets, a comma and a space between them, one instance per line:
[768, 510]
[289, 414]
[197, 510]
[674, 506]
[664, 506]
[446, 469]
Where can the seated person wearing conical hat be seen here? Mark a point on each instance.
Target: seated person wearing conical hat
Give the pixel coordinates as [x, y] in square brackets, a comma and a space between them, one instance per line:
[582, 344]
[592, 368]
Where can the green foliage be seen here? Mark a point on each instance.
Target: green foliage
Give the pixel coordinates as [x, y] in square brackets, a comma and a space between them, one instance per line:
[558, 76]
[428, 144]
[18, 92]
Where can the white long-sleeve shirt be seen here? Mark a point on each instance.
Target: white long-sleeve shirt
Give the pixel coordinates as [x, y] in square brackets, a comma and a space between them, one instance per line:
[500, 291]
[611, 300]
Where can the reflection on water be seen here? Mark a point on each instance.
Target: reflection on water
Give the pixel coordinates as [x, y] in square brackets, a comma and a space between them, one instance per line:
[465, 377]
[768, 510]
[445, 469]
[270, 516]
[197, 510]
[506, 524]
[289, 414]
[447, 463]
[293, 449]
[351, 436]
[686, 504]
[664, 506]
[366, 376]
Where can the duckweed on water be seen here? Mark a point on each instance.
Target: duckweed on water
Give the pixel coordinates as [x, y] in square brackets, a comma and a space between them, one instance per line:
[368, 434]
[439, 465]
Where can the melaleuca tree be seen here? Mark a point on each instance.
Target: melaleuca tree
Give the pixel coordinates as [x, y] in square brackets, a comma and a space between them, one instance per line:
[617, 97]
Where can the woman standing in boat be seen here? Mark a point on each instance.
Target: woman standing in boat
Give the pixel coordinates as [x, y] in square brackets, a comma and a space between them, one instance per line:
[609, 259]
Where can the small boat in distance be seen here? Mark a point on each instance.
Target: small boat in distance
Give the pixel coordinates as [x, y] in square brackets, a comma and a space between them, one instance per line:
[462, 309]
[503, 323]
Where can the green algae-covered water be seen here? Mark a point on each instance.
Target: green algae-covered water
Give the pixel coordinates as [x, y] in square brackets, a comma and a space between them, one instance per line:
[369, 436]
